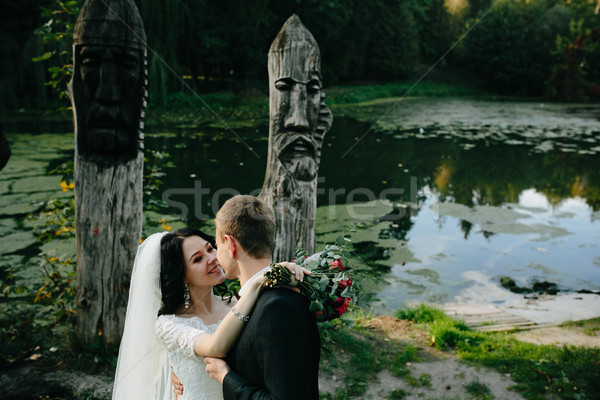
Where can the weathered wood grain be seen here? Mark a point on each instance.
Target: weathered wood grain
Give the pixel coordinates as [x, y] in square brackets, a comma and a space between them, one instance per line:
[4, 149]
[109, 226]
[299, 120]
[108, 94]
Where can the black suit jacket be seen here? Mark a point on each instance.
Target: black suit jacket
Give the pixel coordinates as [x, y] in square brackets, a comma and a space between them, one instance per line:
[277, 353]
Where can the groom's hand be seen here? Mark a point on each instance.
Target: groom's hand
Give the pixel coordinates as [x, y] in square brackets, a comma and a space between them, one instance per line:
[177, 386]
[216, 368]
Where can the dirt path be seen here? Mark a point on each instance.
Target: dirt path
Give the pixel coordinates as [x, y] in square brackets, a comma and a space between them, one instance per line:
[441, 379]
[558, 336]
[439, 376]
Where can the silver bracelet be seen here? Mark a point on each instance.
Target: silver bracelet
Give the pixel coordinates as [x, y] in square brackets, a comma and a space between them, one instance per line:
[241, 317]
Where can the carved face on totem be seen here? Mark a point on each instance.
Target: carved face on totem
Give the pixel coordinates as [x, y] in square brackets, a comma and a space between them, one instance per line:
[296, 99]
[108, 86]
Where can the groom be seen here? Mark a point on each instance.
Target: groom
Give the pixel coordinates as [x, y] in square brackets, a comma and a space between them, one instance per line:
[277, 354]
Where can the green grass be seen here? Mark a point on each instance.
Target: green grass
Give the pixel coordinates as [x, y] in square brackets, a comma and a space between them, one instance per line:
[539, 371]
[340, 95]
[424, 380]
[186, 110]
[446, 333]
[397, 366]
[358, 356]
[479, 390]
[590, 327]
[397, 394]
[422, 314]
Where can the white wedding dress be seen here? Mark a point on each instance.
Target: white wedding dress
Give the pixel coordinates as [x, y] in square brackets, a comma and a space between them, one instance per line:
[177, 335]
[143, 365]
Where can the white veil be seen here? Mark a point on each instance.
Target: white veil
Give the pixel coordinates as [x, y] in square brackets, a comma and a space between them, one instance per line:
[143, 365]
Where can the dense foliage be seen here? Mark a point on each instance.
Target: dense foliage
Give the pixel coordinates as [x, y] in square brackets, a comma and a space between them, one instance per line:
[519, 45]
[515, 47]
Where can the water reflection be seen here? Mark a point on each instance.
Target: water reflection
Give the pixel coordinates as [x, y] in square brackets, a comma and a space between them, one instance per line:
[497, 188]
[466, 171]
[530, 240]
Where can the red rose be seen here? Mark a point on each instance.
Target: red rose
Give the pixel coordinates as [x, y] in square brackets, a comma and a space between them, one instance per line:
[345, 284]
[336, 264]
[320, 316]
[340, 305]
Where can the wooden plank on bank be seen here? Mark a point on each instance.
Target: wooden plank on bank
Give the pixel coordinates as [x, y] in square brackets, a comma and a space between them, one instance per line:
[496, 322]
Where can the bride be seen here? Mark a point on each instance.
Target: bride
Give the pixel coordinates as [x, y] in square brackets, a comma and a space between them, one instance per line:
[174, 318]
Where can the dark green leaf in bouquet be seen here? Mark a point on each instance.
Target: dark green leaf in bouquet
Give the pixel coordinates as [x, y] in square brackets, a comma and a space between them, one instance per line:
[316, 306]
[346, 292]
[316, 285]
[323, 283]
[334, 288]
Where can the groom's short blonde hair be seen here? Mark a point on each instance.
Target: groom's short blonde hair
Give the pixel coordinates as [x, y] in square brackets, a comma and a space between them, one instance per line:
[251, 222]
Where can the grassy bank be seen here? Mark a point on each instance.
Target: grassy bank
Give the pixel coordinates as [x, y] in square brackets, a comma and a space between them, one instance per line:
[186, 110]
[215, 109]
[538, 372]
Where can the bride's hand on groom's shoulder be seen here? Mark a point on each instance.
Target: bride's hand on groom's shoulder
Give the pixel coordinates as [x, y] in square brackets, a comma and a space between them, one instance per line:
[297, 274]
[216, 368]
[297, 271]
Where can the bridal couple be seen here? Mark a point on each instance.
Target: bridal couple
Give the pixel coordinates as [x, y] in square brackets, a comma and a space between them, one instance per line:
[175, 323]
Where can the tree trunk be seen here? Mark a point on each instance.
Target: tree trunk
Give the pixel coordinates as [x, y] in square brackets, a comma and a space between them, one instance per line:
[4, 149]
[108, 230]
[108, 97]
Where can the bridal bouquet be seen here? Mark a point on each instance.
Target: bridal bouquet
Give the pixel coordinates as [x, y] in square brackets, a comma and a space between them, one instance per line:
[333, 287]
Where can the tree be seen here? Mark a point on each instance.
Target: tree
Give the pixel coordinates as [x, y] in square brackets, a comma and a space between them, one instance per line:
[394, 43]
[509, 48]
[432, 20]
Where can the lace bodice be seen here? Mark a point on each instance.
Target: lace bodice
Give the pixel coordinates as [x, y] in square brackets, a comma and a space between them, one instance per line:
[178, 335]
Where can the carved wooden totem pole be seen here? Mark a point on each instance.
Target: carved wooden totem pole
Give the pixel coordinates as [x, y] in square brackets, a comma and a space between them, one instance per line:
[299, 120]
[4, 149]
[108, 94]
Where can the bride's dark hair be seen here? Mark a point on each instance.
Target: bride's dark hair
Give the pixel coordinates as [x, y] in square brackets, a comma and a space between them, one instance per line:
[172, 269]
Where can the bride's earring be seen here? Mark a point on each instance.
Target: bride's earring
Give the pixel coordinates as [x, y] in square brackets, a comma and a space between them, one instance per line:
[186, 295]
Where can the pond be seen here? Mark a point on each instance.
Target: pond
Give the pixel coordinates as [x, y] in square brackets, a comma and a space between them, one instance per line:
[444, 193]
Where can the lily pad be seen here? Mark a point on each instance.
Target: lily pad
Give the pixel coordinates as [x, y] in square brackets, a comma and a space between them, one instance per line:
[37, 184]
[429, 274]
[16, 241]
[542, 268]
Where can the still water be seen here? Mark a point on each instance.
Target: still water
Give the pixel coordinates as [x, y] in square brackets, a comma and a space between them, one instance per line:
[440, 190]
